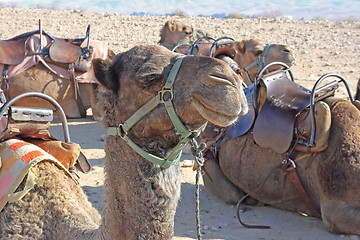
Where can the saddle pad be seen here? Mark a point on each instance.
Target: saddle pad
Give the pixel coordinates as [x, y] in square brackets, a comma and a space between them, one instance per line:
[17, 159]
[244, 122]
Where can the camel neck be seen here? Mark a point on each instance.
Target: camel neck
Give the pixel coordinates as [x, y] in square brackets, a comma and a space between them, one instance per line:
[140, 204]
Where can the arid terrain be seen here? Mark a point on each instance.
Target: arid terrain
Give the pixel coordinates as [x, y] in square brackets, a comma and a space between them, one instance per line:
[319, 46]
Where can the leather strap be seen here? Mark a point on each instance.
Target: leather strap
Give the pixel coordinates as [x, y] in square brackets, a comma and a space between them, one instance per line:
[5, 82]
[74, 81]
[293, 176]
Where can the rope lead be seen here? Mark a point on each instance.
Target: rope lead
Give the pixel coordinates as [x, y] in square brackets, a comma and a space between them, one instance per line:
[196, 151]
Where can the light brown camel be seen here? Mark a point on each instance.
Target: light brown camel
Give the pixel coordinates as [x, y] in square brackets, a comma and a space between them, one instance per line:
[49, 73]
[330, 177]
[248, 56]
[175, 32]
[248, 51]
[141, 196]
[41, 79]
[241, 55]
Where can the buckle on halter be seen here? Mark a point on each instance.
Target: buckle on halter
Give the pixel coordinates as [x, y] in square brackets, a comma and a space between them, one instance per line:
[120, 131]
[165, 94]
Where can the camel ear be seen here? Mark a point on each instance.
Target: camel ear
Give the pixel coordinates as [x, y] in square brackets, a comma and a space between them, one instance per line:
[171, 25]
[151, 72]
[239, 46]
[105, 74]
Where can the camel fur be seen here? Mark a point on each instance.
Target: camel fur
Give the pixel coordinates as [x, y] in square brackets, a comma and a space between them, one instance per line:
[141, 197]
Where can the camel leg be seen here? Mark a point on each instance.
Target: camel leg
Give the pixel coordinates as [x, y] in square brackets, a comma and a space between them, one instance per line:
[340, 217]
[218, 185]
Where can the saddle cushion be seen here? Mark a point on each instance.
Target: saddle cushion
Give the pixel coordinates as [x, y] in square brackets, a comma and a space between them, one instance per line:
[65, 153]
[323, 124]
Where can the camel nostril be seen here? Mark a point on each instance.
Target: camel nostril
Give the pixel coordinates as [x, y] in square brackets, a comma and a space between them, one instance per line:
[286, 50]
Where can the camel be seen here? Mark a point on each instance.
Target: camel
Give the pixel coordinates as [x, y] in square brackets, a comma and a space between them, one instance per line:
[243, 56]
[330, 176]
[49, 72]
[141, 196]
[175, 32]
[247, 56]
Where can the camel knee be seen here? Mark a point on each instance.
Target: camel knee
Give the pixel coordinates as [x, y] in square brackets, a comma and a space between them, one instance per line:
[218, 184]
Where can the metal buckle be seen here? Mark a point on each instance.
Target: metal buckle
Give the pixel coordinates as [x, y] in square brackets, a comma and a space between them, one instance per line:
[121, 132]
[163, 94]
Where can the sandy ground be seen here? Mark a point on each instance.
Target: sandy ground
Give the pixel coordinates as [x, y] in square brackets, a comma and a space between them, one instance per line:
[320, 47]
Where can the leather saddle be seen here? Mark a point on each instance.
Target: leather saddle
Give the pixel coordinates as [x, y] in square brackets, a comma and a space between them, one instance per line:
[281, 110]
[65, 51]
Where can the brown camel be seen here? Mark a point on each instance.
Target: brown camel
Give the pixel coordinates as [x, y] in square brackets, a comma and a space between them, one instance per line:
[50, 73]
[249, 51]
[248, 56]
[141, 196]
[242, 55]
[175, 32]
[330, 177]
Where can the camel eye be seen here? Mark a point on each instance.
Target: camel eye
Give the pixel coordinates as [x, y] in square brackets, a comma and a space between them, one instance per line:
[186, 30]
[258, 52]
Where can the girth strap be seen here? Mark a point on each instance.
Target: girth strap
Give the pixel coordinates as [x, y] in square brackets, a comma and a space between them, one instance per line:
[292, 175]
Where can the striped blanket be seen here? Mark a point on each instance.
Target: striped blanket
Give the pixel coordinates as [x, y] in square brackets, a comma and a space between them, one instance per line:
[18, 159]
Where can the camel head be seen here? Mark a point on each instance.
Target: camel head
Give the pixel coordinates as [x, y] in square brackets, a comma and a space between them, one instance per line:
[175, 32]
[248, 51]
[205, 89]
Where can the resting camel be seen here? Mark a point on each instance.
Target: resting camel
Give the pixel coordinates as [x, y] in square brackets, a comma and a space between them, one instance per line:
[141, 196]
[329, 176]
[240, 55]
[248, 56]
[175, 32]
[49, 72]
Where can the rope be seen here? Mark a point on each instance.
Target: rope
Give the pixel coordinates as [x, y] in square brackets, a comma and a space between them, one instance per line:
[197, 152]
[238, 210]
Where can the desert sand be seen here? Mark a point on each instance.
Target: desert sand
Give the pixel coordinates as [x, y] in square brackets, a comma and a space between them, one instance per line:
[319, 46]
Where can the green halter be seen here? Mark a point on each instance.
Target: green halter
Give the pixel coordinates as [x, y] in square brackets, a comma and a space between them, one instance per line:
[165, 96]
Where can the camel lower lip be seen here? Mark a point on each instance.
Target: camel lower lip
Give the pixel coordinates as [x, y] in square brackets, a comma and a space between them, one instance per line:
[215, 116]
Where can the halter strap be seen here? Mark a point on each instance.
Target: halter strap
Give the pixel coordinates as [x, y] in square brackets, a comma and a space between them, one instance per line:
[165, 96]
[260, 61]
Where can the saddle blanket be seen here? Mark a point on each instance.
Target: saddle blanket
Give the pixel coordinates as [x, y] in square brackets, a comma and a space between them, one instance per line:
[18, 158]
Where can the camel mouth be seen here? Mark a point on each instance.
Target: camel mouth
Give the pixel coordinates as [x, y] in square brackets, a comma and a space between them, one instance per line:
[221, 116]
